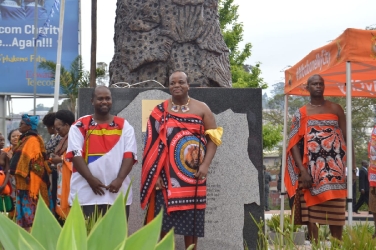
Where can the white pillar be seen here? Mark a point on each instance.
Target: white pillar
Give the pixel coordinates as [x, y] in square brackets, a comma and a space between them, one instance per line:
[284, 147]
[349, 143]
[3, 114]
[58, 58]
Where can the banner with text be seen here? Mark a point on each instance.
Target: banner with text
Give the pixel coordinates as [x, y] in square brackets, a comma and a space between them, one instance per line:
[17, 33]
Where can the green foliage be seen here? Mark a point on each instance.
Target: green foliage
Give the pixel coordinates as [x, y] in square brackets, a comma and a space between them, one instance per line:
[147, 238]
[70, 81]
[271, 135]
[241, 78]
[73, 235]
[108, 232]
[100, 72]
[14, 237]
[358, 236]
[274, 223]
[45, 224]
[232, 32]
[262, 240]
[167, 241]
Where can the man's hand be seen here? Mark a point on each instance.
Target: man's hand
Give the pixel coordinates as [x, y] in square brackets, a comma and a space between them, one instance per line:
[159, 184]
[115, 185]
[202, 172]
[96, 185]
[305, 179]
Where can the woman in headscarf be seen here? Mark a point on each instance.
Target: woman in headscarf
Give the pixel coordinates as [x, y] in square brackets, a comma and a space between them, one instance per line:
[63, 121]
[31, 171]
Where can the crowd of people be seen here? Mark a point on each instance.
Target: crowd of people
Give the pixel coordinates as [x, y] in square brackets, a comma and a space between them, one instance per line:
[91, 158]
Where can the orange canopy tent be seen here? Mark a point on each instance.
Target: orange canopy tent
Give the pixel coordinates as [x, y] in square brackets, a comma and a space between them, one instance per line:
[355, 46]
[349, 58]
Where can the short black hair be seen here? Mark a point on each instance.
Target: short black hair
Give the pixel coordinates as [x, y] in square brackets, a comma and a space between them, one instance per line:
[65, 116]
[10, 134]
[315, 75]
[49, 119]
[97, 87]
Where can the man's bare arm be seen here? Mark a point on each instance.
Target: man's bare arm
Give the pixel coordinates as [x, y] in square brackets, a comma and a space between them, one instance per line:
[211, 148]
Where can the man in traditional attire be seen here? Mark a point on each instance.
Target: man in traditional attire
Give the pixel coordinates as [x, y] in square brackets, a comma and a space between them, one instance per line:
[316, 161]
[181, 141]
[103, 150]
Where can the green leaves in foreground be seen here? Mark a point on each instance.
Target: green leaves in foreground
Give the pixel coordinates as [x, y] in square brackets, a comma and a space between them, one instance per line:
[109, 228]
[110, 232]
[14, 237]
[73, 235]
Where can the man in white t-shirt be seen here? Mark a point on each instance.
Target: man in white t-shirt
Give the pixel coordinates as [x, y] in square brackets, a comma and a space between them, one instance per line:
[103, 150]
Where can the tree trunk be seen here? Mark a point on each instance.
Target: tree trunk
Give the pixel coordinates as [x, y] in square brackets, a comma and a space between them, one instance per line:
[93, 60]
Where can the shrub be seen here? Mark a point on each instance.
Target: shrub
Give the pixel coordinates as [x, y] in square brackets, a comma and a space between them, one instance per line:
[274, 223]
[108, 232]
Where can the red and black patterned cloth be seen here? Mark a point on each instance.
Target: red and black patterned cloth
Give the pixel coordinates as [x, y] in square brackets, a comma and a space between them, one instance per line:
[323, 150]
[174, 148]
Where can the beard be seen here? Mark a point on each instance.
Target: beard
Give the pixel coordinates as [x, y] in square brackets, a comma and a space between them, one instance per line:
[100, 111]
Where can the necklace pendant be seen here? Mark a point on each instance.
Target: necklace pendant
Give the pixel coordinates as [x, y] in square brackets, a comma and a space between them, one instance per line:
[175, 108]
[184, 108]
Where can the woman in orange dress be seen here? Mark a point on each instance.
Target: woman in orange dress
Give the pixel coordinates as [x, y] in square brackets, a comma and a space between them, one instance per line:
[31, 171]
[63, 121]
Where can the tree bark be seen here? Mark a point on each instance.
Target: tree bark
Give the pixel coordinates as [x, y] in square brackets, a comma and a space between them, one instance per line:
[93, 60]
